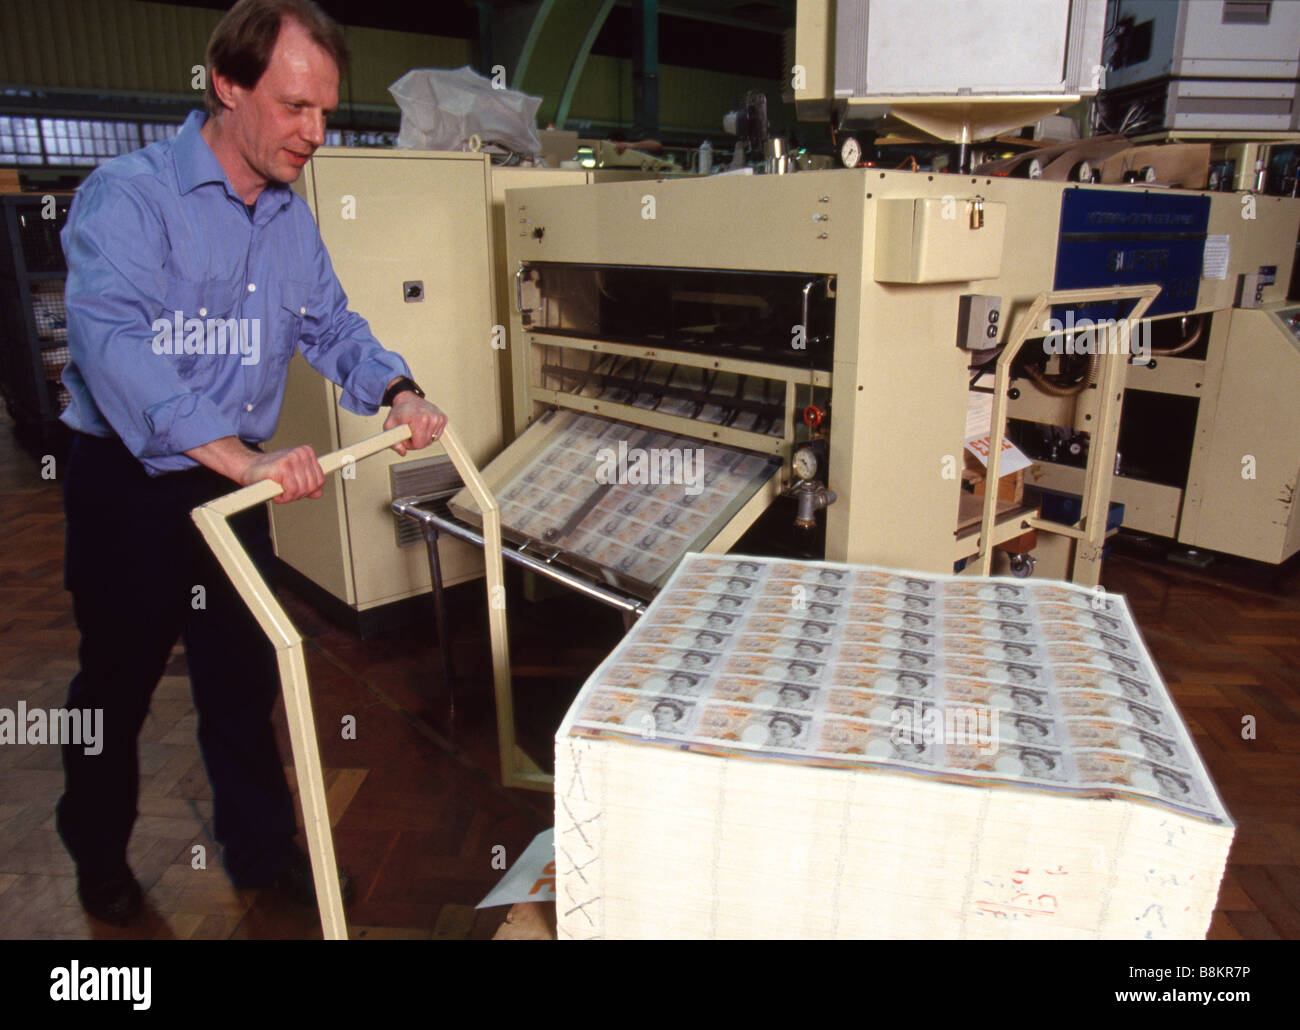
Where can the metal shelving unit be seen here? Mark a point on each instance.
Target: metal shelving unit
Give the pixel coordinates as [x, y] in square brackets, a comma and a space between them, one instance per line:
[33, 319]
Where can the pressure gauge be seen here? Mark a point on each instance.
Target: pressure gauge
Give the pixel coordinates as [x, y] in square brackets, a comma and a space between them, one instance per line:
[1035, 168]
[1083, 172]
[804, 462]
[851, 152]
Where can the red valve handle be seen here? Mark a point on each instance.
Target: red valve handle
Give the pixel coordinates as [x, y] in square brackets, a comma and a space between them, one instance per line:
[812, 416]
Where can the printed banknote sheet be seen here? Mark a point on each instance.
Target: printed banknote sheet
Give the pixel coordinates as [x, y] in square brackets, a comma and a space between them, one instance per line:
[1044, 685]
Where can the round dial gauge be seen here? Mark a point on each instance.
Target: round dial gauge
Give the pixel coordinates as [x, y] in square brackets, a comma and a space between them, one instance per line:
[1083, 171]
[851, 152]
[1035, 168]
[804, 461]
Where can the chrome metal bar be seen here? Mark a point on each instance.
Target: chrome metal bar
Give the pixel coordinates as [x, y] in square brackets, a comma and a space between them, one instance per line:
[409, 507]
[439, 607]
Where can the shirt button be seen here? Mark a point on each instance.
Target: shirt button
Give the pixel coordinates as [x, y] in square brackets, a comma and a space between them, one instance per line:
[302, 311]
[203, 312]
[248, 407]
[252, 287]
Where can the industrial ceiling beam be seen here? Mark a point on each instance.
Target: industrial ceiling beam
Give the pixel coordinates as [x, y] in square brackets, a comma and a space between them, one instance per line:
[580, 63]
[550, 50]
[645, 71]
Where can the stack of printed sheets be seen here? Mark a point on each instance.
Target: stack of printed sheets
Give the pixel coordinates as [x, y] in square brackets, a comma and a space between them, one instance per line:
[784, 749]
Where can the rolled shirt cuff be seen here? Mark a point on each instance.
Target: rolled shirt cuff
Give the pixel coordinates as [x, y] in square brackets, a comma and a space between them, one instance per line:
[177, 425]
[363, 390]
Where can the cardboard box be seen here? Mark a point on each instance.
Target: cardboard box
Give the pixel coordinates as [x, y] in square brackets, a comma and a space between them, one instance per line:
[1011, 487]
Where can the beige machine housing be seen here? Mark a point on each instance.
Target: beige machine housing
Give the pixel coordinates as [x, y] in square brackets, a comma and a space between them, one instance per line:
[899, 250]
[388, 219]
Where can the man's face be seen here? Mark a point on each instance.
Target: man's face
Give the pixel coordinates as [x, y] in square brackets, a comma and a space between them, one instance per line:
[278, 124]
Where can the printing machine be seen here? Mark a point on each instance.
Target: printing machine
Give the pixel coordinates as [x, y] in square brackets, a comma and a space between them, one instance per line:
[835, 324]
[724, 310]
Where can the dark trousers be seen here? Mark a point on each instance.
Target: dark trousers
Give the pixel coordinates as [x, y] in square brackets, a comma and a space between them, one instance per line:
[134, 562]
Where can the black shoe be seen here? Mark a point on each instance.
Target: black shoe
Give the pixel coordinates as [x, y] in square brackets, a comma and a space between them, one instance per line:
[299, 885]
[115, 899]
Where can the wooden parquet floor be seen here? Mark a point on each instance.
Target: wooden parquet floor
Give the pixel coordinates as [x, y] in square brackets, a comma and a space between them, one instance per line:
[415, 801]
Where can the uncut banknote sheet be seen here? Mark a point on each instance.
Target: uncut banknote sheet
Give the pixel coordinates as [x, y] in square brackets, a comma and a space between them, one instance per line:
[998, 682]
[623, 499]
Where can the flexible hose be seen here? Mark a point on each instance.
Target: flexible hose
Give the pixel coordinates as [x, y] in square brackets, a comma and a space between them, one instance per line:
[1187, 344]
[1049, 386]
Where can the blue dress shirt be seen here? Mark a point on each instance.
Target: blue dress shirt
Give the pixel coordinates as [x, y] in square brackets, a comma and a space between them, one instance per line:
[183, 311]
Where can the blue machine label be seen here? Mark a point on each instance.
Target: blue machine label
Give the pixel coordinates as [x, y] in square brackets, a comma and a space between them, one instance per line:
[1116, 238]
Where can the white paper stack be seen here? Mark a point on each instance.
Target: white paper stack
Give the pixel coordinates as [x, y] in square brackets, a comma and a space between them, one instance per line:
[785, 749]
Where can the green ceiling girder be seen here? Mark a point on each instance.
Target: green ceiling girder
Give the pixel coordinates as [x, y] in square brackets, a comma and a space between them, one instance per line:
[554, 52]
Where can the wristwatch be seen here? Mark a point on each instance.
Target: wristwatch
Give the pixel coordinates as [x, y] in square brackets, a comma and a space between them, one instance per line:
[402, 385]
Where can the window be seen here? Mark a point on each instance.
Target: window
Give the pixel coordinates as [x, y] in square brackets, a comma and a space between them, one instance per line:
[87, 142]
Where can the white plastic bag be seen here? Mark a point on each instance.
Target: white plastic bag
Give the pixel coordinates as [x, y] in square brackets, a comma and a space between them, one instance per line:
[442, 109]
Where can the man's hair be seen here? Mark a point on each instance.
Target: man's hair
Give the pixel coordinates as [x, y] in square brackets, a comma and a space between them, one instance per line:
[241, 44]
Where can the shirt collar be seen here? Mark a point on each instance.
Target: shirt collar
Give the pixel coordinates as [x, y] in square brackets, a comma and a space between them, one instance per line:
[196, 165]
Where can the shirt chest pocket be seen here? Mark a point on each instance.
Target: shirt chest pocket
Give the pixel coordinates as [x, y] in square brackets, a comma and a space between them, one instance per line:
[288, 311]
[217, 326]
[200, 328]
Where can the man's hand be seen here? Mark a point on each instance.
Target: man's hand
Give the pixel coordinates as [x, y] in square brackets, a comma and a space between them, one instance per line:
[426, 421]
[294, 468]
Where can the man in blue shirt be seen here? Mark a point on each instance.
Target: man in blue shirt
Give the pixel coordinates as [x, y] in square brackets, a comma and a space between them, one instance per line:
[194, 272]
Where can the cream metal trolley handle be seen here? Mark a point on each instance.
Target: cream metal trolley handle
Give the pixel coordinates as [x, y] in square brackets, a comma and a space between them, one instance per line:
[211, 519]
[1089, 531]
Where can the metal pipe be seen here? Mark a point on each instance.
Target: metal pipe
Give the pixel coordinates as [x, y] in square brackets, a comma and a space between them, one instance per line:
[409, 506]
[430, 532]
